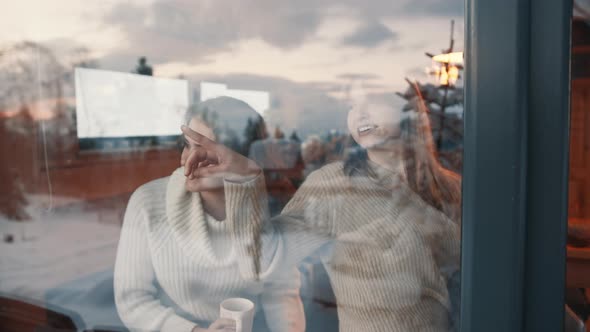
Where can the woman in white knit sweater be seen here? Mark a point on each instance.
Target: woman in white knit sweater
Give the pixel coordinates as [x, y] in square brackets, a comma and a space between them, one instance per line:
[388, 218]
[176, 261]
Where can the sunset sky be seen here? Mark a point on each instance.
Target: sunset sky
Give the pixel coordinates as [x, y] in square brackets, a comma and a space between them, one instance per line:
[318, 45]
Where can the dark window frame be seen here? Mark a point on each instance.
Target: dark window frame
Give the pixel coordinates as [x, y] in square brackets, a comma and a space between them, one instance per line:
[515, 173]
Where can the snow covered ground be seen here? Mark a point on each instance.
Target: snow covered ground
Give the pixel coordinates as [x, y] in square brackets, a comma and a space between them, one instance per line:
[61, 257]
[63, 252]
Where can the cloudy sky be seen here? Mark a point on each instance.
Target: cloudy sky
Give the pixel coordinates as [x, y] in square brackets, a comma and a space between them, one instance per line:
[313, 46]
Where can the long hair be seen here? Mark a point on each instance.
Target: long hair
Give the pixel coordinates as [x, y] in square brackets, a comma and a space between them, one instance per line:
[436, 185]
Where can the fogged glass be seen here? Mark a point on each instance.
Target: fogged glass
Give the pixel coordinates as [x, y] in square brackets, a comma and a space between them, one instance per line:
[314, 185]
[578, 241]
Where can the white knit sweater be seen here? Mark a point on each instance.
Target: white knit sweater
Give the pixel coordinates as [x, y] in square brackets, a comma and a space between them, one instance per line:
[175, 264]
[388, 253]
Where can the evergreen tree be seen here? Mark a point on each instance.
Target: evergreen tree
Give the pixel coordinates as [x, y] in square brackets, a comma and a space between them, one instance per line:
[279, 133]
[254, 131]
[143, 68]
[294, 137]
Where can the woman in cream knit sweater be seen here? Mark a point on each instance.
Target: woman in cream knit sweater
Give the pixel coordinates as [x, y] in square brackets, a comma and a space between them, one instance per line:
[176, 261]
[387, 220]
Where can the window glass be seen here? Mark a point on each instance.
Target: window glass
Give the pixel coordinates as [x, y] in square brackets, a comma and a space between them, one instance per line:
[315, 185]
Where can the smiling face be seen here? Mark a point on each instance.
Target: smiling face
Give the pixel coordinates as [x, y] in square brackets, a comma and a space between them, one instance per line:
[199, 184]
[373, 123]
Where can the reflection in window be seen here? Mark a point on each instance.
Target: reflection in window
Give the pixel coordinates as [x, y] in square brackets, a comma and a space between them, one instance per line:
[330, 198]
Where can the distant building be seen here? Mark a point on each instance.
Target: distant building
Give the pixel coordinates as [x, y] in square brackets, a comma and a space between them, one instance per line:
[258, 100]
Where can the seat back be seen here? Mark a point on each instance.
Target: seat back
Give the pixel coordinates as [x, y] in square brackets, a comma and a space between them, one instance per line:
[22, 316]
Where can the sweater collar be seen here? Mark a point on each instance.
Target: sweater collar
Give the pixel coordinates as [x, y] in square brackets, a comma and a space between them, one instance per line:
[386, 178]
[191, 225]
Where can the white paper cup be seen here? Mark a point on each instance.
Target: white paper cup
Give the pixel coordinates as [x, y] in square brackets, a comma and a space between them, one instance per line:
[239, 309]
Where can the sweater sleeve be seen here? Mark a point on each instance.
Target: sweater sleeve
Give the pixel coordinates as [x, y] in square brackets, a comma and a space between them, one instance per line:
[269, 246]
[135, 281]
[282, 304]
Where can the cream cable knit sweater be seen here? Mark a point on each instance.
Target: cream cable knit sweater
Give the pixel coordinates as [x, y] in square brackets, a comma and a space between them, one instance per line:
[389, 252]
[175, 265]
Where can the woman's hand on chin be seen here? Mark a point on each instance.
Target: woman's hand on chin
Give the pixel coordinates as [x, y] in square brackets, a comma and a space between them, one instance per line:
[220, 325]
[212, 159]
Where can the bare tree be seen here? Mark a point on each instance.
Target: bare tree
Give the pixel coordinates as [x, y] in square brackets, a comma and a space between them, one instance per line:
[29, 73]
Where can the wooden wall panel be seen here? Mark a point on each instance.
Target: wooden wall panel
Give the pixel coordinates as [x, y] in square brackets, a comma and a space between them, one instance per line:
[579, 191]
